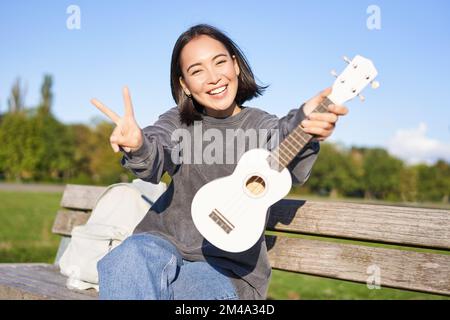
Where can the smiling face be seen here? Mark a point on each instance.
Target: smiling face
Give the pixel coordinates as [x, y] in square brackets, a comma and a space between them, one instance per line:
[210, 75]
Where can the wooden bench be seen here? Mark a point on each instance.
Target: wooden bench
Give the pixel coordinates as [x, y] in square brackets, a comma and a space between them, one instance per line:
[329, 255]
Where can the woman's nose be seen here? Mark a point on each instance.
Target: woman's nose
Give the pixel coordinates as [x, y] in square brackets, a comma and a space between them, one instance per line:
[213, 76]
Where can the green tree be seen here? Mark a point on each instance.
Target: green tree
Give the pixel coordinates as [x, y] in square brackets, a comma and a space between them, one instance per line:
[36, 146]
[53, 148]
[46, 95]
[13, 131]
[334, 172]
[443, 183]
[94, 160]
[408, 184]
[16, 101]
[434, 182]
[382, 175]
[104, 163]
[354, 186]
[82, 136]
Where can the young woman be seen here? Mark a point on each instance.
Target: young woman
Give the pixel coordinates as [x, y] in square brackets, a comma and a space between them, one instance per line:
[166, 257]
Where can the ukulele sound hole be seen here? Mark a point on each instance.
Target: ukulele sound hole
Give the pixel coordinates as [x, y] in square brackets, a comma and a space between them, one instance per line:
[255, 185]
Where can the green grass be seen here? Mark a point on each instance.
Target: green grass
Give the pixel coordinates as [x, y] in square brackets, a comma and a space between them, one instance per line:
[26, 219]
[292, 286]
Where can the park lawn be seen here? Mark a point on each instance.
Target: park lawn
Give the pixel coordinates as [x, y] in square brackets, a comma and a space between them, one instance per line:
[26, 219]
[292, 286]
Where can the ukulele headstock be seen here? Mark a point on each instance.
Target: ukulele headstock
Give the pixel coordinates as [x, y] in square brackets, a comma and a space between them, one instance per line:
[357, 75]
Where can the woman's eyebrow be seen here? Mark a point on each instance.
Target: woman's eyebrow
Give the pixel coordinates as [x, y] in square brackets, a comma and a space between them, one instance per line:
[199, 63]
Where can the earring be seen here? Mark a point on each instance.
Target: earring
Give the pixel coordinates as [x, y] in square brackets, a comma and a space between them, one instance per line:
[189, 96]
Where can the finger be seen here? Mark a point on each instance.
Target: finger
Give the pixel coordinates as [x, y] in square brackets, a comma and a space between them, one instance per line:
[325, 93]
[114, 139]
[317, 124]
[127, 100]
[115, 147]
[116, 136]
[328, 117]
[321, 96]
[320, 132]
[108, 112]
[121, 141]
[126, 149]
[337, 109]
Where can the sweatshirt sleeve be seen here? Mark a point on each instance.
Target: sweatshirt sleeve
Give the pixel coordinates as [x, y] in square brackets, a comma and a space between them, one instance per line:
[153, 158]
[302, 164]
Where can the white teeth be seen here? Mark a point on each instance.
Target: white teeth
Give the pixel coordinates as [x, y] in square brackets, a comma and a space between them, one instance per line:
[218, 90]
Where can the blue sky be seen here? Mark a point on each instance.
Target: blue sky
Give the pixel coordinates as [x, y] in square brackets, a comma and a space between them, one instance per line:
[291, 45]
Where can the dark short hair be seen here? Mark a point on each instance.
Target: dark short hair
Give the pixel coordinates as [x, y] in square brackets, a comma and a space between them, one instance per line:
[190, 110]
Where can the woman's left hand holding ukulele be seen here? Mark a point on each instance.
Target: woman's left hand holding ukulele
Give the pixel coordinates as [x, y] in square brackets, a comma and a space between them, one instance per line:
[321, 124]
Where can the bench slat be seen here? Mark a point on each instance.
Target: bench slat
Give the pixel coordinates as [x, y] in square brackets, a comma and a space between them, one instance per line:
[423, 272]
[37, 281]
[408, 226]
[379, 223]
[81, 197]
[67, 219]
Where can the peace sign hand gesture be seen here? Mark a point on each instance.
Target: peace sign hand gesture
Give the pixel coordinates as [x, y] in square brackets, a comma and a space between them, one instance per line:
[127, 133]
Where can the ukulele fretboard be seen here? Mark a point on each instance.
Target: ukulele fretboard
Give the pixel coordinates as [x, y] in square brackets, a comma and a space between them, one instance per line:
[288, 149]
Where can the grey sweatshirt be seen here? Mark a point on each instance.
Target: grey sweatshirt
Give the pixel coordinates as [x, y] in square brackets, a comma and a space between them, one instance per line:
[170, 217]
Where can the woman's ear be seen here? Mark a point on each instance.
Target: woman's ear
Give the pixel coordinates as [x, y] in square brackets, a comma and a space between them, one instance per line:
[236, 66]
[183, 85]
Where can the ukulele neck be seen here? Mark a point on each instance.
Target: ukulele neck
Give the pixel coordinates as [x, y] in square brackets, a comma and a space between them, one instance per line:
[291, 146]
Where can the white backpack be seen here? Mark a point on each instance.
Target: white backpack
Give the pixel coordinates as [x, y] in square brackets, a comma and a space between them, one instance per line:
[117, 212]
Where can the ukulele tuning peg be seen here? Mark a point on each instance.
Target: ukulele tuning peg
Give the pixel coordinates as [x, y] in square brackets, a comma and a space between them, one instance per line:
[333, 73]
[361, 97]
[346, 59]
[375, 84]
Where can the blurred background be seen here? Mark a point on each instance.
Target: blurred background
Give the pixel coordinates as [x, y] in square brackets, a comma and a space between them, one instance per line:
[55, 56]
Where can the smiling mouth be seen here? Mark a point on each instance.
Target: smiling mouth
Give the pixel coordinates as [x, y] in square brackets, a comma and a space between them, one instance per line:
[217, 91]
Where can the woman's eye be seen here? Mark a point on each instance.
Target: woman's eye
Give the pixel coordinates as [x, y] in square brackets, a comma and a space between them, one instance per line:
[220, 62]
[195, 72]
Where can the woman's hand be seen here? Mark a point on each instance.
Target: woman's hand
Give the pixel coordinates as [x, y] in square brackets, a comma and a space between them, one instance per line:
[321, 125]
[127, 133]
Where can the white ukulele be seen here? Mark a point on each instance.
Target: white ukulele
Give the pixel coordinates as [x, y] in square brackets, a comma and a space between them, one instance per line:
[230, 212]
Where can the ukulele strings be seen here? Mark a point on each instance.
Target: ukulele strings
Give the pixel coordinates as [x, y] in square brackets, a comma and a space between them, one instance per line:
[259, 187]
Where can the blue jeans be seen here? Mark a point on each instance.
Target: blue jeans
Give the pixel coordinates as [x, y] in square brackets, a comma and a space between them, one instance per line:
[147, 267]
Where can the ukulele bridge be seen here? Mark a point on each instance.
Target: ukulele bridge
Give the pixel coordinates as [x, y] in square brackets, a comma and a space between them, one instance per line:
[221, 221]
